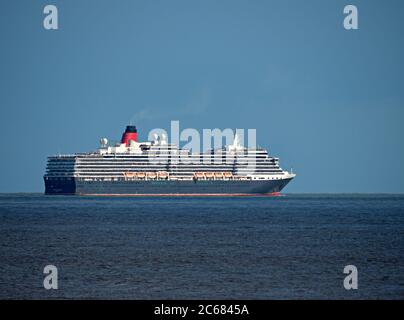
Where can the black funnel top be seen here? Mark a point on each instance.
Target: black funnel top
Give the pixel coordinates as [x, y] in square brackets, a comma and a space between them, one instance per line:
[130, 129]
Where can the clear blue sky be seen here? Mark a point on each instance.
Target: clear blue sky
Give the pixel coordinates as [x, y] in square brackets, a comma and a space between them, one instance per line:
[328, 102]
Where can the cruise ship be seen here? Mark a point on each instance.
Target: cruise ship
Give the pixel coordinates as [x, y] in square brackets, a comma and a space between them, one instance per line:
[159, 168]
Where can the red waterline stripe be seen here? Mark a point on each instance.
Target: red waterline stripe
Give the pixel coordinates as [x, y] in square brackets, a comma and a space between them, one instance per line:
[274, 194]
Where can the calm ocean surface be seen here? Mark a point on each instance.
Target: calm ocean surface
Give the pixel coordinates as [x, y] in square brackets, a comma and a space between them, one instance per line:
[294, 246]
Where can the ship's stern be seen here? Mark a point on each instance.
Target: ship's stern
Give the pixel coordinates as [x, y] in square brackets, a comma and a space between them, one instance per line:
[56, 185]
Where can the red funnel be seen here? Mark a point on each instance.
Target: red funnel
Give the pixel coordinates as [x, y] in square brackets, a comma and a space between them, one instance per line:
[129, 134]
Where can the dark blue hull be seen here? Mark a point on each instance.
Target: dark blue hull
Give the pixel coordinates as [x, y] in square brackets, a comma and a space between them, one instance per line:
[164, 187]
[60, 186]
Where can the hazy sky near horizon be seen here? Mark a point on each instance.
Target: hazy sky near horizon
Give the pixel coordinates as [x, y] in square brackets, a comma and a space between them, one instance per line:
[327, 101]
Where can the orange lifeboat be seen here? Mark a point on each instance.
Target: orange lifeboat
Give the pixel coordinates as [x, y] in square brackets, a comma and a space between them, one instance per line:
[129, 174]
[163, 175]
[218, 174]
[209, 174]
[141, 175]
[199, 175]
[227, 174]
[151, 175]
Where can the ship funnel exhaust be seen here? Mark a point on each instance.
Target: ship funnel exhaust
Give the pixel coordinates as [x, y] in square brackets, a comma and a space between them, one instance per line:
[129, 134]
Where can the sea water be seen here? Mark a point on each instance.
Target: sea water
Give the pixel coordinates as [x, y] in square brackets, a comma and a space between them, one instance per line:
[290, 247]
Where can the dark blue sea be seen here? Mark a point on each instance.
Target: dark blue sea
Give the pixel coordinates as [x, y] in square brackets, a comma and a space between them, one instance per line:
[289, 247]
